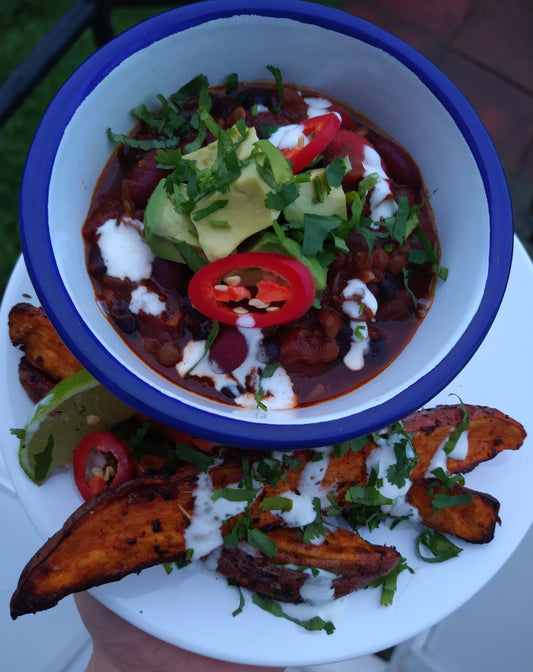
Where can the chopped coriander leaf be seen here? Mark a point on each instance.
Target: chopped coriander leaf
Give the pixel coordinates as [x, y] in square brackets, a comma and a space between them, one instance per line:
[336, 170]
[208, 343]
[267, 372]
[282, 196]
[241, 599]
[247, 480]
[189, 454]
[452, 440]
[316, 230]
[318, 190]
[265, 131]
[192, 88]
[367, 184]
[213, 207]
[389, 583]
[443, 500]
[276, 504]
[448, 480]
[199, 141]
[235, 494]
[275, 609]
[292, 463]
[238, 531]
[417, 256]
[232, 82]
[276, 73]
[279, 167]
[145, 145]
[334, 509]
[268, 471]
[354, 445]
[439, 547]
[193, 260]
[366, 494]
[406, 459]
[262, 542]
[362, 515]
[399, 221]
[360, 332]
[317, 528]
[429, 249]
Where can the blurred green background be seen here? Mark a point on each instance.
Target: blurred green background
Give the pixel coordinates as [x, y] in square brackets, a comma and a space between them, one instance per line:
[23, 23]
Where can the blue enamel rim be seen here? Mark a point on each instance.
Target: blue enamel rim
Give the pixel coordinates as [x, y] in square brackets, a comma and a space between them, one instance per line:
[37, 248]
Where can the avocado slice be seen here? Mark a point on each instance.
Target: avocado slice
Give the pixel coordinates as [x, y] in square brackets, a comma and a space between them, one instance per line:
[218, 234]
[244, 214]
[163, 224]
[333, 203]
[206, 156]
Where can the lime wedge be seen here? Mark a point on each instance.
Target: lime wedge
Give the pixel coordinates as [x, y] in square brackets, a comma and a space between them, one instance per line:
[75, 407]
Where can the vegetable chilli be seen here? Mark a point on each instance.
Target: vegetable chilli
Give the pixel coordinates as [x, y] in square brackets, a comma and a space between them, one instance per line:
[261, 245]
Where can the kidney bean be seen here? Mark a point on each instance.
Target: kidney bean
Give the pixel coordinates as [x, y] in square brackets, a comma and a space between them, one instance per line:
[170, 275]
[400, 166]
[229, 350]
[142, 181]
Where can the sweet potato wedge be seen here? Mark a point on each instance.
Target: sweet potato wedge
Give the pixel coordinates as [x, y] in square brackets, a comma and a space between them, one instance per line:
[31, 329]
[123, 530]
[489, 432]
[36, 383]
[356, 563]
[474, 522]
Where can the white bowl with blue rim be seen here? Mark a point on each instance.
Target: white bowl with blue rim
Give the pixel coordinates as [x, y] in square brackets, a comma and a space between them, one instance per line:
[340, 56]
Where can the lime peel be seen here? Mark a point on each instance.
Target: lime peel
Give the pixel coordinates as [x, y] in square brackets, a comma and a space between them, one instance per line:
[75, 407]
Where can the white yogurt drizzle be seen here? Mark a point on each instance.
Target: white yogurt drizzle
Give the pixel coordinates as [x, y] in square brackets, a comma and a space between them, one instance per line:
[144, 301]
[440, 459]
[278, 389]
[356, 299]
[127, 256]
[123, 249]
[382, 203]
[309, 487]
[318, 587]
[379, 460]
[203, 534]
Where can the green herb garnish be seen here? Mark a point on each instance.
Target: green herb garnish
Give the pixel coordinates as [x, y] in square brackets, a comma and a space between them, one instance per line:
[439, 547]
[275, 609]
[389, 583]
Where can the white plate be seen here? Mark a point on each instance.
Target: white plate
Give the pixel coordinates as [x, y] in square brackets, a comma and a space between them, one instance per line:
[192, 608]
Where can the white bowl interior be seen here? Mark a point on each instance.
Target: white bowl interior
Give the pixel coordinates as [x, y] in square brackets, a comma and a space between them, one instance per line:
[380, 88]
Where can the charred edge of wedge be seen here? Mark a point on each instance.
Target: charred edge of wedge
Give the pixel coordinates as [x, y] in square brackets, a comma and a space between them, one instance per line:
[121, 531]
